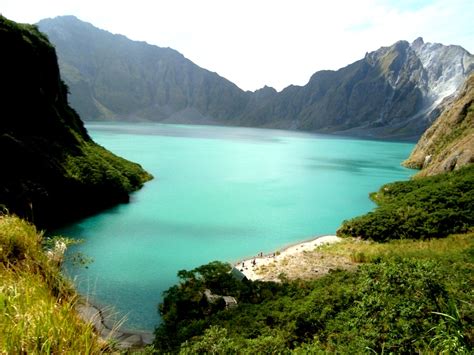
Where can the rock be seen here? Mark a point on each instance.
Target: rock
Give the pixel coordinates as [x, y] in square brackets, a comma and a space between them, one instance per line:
[130, 341]
[90, 314]
[107, 329]
[427, 161]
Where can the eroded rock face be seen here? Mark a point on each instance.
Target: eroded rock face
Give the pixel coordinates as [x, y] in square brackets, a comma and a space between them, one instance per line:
[449, 143]
[445, 69]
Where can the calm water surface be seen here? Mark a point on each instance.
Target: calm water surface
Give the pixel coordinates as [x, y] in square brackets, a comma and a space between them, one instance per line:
[219, 193]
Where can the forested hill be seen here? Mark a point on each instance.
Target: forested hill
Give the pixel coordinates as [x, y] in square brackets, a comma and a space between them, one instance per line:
[393, 92]
[52, 171]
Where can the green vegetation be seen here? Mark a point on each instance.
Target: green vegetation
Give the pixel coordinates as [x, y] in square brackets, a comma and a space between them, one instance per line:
[367, 251]
[421, 208]
[410, 296]
[36, 303]
[99, 168]
[462, 129]
[187, 312]
[412, 293]
[52, 171]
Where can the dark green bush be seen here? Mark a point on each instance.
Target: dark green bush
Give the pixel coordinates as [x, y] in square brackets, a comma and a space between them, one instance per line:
[392, 305]
[422, 208]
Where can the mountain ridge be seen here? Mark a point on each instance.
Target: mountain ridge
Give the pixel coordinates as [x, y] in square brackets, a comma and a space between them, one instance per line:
[146, 86]
[391, 93]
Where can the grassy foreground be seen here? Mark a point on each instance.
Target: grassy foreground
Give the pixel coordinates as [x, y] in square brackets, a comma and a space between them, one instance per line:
[36, 303]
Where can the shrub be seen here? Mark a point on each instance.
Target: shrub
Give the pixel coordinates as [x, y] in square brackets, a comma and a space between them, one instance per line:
[423, 208]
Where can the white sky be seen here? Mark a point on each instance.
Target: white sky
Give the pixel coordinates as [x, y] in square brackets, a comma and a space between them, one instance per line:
[266, 42]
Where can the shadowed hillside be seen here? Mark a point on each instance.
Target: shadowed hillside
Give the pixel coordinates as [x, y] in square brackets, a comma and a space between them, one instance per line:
[52, 171]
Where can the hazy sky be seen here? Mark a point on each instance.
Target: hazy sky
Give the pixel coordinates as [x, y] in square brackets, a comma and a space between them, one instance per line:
[258, 42]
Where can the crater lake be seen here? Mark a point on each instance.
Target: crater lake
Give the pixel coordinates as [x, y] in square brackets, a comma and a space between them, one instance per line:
[218, 193]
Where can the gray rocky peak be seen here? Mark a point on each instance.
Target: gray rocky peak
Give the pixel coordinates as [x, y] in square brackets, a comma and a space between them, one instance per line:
[445, 69]
[417, 43]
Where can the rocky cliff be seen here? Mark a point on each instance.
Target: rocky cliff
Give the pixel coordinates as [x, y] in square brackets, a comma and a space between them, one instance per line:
[449, 143]
[52, 171]
[392, 93]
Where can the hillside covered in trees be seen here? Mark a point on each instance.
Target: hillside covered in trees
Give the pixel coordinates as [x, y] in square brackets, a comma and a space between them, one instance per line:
[52, 171]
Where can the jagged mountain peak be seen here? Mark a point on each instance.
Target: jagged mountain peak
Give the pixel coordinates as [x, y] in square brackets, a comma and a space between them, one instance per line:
[445, 68]
[393, 92]
[417, 42]
[435, 69]
[266, 90]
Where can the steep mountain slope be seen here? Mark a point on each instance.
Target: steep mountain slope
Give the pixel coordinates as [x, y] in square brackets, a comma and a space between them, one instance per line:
[112, 77]
[52, 171]
[449, 143]
[392, 93]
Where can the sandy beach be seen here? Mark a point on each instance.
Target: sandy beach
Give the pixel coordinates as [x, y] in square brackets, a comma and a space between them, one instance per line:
[268, 267]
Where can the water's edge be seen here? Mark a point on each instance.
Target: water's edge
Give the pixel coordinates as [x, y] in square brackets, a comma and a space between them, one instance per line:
[219, 193]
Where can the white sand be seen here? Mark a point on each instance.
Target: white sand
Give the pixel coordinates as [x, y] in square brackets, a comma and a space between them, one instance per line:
[250, 269]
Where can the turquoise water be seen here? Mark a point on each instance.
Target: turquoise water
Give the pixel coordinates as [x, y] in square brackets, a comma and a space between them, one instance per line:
[219, 193]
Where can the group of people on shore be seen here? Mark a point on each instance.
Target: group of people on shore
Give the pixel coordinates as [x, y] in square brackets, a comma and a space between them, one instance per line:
[254, 260]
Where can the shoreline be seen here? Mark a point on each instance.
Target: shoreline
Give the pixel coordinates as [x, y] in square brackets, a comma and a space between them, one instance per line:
[252, 267]
[109, 329]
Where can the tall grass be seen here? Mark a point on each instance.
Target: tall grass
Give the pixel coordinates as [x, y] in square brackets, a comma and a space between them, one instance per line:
[36, 303]
[362, 251]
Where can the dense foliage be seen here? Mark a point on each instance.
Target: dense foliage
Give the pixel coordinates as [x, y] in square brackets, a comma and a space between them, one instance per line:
[36, 303]
[186, 311]
[420, 208]
[399, 302]
[52, 171]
